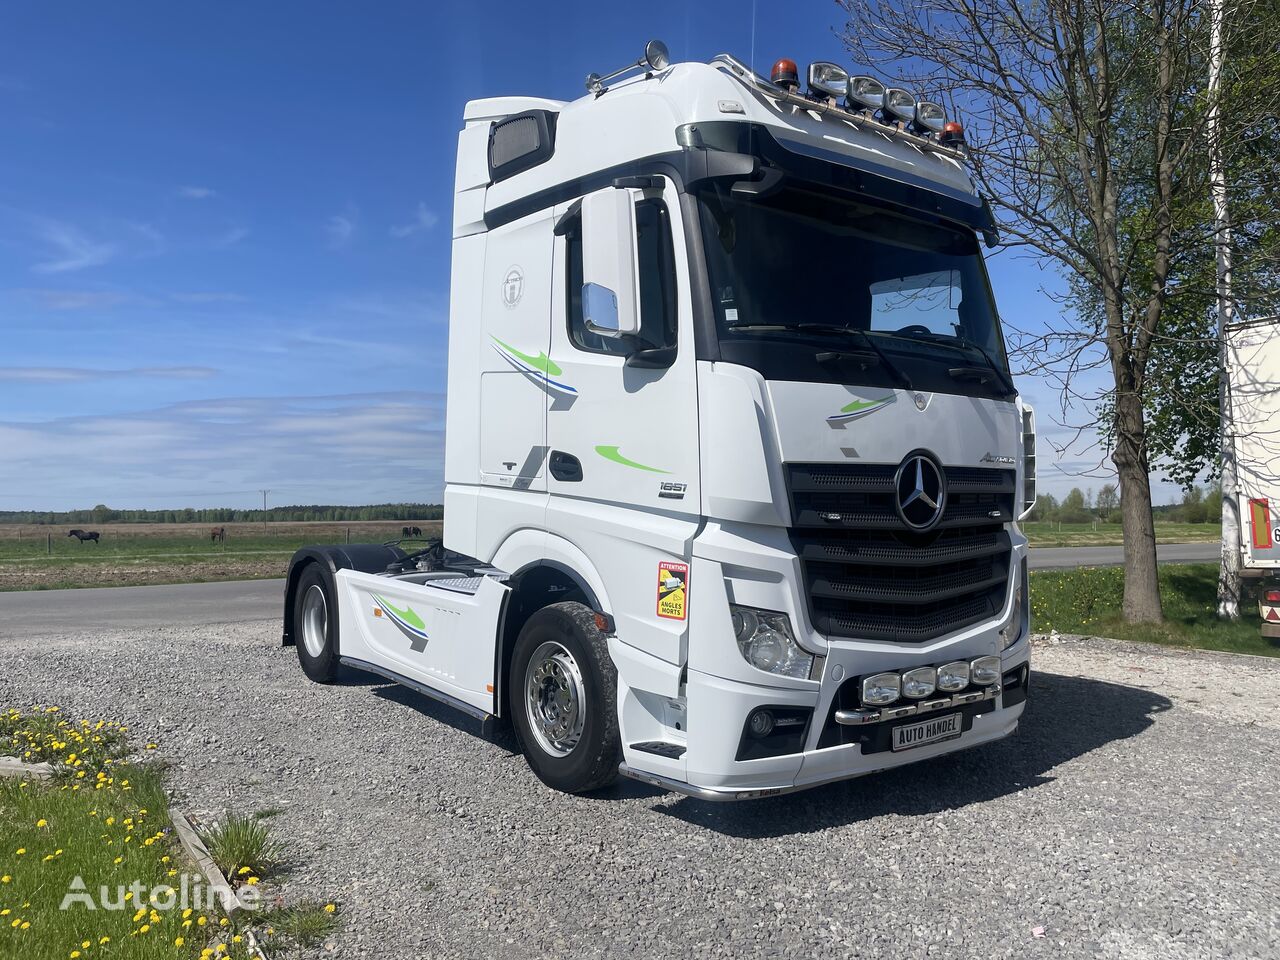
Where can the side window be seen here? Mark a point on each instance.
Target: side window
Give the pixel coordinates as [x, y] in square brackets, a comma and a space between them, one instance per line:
[656, 253]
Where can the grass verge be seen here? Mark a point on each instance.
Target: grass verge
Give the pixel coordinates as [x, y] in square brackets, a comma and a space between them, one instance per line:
[90, 866]
[1089, 600]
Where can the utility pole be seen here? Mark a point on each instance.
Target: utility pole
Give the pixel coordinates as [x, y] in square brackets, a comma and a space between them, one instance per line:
[264, 506]
[1229, 572]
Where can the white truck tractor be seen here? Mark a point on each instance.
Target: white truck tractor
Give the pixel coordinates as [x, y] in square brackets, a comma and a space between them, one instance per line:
[734, 462]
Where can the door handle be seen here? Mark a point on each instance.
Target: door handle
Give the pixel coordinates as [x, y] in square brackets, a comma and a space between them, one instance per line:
[565, 467]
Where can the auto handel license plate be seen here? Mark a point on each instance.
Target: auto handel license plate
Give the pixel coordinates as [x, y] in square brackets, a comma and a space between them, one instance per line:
[927, 731]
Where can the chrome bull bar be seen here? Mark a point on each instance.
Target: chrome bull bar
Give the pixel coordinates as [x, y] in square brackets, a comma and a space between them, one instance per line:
[861, 718]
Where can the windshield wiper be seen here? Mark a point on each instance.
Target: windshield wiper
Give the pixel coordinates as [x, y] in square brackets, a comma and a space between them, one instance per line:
[865, 338]
[959, 343]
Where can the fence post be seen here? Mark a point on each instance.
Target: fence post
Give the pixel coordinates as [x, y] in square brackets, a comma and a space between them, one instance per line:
[48, 544]
[348, 534]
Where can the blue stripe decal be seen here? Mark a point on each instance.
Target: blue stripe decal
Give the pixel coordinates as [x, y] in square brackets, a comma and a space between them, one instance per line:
[536, 374]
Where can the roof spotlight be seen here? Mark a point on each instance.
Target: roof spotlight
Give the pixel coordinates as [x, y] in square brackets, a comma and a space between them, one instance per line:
[785, 74]
[929, 117]
[866, 93]
[899, 105]
[827, 80]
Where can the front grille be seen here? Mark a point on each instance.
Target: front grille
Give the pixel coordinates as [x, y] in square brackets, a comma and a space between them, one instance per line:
[869, 576]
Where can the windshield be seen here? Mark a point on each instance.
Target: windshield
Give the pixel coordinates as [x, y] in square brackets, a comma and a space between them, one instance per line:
[798, 274]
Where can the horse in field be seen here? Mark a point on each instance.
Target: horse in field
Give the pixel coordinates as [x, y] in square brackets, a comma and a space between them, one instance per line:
[218, 535]
[83, 535]
[411, 531]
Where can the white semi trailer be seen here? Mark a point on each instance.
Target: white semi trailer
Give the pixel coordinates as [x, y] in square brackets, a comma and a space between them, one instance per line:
[1253, 373]
[734, 462]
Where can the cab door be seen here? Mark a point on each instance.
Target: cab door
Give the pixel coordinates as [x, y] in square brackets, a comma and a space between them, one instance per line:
[622, 438]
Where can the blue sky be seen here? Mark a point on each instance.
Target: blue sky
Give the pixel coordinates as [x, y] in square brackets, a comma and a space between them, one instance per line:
[224, 245]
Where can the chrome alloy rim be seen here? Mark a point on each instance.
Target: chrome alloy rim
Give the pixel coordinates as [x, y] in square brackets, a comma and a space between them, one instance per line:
[315, 620]
[555, 699]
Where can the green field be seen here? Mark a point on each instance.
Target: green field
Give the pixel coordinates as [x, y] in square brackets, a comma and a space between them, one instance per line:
[1050, 533]
[1088, 601]
[44, 557]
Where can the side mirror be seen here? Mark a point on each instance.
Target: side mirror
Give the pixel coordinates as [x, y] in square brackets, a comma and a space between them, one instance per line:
[610, 305]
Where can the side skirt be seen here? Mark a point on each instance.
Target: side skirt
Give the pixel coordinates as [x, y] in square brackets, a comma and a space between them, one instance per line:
[488, 722]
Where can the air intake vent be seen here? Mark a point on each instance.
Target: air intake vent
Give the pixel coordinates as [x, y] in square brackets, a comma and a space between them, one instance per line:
[520, 142]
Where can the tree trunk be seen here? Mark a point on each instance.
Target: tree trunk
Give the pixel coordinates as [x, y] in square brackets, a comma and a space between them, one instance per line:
[1141, 580]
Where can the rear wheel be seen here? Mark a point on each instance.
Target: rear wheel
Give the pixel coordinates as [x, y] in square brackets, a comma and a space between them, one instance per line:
[315, 618]
[563, 699]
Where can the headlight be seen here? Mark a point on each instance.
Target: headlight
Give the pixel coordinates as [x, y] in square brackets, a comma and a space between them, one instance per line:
[953, 676]
[766, 642]
[880, 689]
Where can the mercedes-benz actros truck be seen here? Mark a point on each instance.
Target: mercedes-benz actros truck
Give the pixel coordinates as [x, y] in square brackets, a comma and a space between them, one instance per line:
[734, 462]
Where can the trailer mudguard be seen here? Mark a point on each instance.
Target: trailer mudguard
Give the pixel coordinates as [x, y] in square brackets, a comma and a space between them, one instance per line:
[365, 557]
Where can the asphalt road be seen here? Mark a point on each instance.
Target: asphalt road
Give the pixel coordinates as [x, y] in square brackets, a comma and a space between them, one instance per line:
[243, 600]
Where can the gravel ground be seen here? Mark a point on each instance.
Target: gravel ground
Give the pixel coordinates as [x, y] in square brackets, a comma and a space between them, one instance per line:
[1133, 815]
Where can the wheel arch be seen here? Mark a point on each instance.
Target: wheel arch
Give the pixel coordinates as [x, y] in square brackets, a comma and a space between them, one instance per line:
[365, 557]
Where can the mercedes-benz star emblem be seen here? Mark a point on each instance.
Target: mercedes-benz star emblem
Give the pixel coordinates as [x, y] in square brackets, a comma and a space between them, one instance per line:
[922, 492]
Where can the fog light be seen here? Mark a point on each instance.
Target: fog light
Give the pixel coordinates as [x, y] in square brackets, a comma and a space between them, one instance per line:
[760, 724]
[953, 676]
[985, 670]
[919, 683]
[881, 689]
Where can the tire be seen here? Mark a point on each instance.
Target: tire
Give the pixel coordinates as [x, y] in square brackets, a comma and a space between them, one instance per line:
[315, 617]
[563, 696]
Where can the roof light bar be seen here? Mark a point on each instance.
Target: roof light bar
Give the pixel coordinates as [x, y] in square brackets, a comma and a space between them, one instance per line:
[929, 117]
[866, 93]
[828, 80]
[899, 105]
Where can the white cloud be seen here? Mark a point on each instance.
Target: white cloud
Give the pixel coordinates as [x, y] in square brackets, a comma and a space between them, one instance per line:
[81, 299]
[196, 193]
[207, 296]
[70, 249]
[423, 220]
[231, 236]
[340, 228]
[81, 374]
[358, 448]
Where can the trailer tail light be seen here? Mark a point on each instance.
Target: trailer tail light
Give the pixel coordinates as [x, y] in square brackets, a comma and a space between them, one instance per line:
[1260, 521]
[1271, 596]
[785, 74]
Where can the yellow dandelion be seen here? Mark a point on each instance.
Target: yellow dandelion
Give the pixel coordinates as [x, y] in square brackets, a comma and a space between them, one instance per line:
[42, 822]
[178, 941]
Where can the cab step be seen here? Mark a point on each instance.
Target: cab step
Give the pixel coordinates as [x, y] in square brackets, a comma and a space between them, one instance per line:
[662, 748]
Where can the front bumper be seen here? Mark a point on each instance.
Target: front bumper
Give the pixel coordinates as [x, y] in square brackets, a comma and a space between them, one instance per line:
[709, 776]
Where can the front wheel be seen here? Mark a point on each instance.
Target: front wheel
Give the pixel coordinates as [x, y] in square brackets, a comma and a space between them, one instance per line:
[563, 699]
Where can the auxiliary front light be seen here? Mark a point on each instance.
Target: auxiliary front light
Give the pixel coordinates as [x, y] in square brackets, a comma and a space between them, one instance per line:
[919, 683]
[985, 670]
[828, 79]
[880, 689]
[866, 93]
[767, 643]
[953, 676]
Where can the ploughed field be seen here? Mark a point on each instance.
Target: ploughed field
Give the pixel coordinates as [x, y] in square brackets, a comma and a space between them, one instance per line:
[1132, 816]
[36, 556]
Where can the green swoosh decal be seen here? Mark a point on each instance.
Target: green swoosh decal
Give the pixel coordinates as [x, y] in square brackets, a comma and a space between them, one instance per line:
[407, 615]
[611, 453]
[861, 405]
[540, 362]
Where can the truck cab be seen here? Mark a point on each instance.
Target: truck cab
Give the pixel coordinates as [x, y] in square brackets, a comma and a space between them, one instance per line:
[734, 461]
